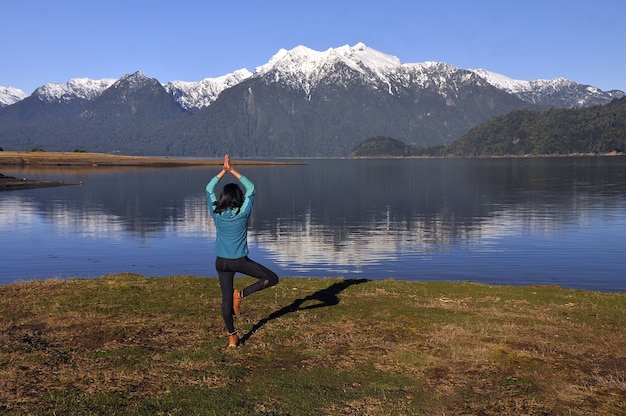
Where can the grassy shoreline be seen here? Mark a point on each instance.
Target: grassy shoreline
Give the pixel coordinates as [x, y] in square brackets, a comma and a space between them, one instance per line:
[94, 160]
[129, 344]
[65, 159]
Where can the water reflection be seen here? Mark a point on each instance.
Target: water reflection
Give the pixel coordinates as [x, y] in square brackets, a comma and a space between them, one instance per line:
[470, 219]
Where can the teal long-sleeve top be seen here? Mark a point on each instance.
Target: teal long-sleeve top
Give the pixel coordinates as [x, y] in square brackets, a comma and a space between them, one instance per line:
[231, 224]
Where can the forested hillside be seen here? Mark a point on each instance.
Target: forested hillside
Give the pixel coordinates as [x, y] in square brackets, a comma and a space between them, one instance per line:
[594, 130]
[600, 129]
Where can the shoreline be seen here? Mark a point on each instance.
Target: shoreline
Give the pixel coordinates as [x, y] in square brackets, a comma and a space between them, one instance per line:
[65, 159]
[94, 160]
[391, 280]
[508, 156]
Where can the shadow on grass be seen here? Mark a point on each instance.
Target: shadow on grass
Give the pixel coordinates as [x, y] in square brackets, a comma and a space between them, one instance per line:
[326, 297]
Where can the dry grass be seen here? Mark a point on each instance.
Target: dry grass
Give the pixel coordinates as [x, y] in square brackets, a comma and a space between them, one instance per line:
[28, 161]
[104, 159]
[127, 344]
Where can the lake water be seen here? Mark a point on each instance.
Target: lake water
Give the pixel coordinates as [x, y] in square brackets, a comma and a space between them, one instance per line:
[498, 221]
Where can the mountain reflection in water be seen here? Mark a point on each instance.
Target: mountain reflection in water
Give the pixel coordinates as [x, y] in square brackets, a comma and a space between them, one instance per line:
[499, 221]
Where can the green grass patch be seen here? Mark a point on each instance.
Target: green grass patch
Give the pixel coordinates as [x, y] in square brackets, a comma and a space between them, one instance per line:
[132, 345]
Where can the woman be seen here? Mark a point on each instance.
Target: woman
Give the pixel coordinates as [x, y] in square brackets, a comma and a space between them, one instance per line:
[230, 213]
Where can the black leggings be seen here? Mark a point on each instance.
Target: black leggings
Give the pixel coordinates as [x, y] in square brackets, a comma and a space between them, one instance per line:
[226, 269]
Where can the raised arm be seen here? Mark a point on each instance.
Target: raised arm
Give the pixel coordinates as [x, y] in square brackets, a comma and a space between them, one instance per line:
[244, 181]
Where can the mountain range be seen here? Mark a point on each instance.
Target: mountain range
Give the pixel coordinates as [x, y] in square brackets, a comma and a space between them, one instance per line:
[301, 103]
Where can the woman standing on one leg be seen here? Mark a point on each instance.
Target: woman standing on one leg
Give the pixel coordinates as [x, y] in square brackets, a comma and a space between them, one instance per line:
[230, 213]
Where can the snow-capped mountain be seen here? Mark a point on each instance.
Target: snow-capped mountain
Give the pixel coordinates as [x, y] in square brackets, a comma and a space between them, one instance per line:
[328, 102]
[502, 81]
[10, 95]
[302, 102]
[197, 95]
[305, 68]
[557, 92]
[75, 88]
[133, 96]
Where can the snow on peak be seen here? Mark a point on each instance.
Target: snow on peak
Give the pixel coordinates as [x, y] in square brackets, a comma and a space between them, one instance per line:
[203, 93]
[304, 68]
[552, 83]
[502, 81]
[557, 92]
[370, 58]
[517, 86]
[11, 95]
[299, 61]
[305, 61]
[83, 88]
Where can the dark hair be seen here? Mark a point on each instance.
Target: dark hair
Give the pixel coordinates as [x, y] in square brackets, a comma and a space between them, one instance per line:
[231, 197]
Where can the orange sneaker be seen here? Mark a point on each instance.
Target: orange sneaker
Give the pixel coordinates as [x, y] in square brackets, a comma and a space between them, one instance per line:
[233, 340]
[237, 298]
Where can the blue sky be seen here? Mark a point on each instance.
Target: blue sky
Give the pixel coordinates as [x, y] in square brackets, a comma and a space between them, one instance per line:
[55, 40]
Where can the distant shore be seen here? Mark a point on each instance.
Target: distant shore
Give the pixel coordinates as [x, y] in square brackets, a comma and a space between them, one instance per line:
[104, 159]
[84, 159]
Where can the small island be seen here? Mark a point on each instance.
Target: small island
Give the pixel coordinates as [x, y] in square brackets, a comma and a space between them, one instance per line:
[10, 183]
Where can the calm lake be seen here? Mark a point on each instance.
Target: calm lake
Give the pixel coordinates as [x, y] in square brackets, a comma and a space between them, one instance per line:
[519, 221]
